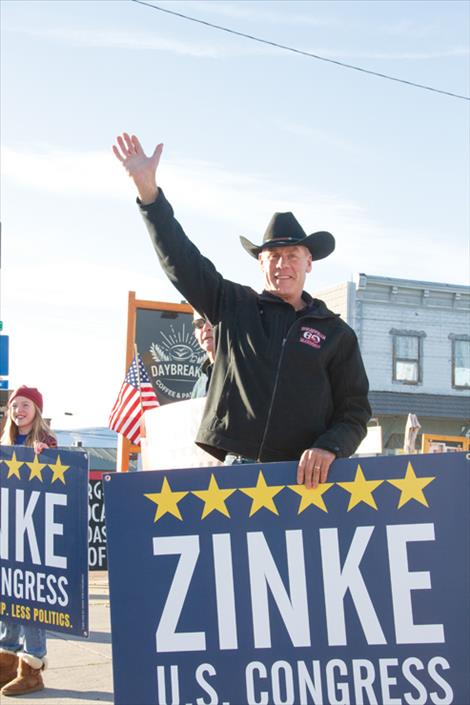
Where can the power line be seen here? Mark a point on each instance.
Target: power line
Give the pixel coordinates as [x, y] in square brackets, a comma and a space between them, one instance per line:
[299, 51]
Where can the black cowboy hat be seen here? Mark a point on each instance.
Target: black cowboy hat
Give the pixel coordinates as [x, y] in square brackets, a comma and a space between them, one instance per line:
[285, 230]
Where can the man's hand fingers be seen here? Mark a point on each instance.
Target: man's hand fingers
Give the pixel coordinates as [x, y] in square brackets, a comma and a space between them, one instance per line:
[313, 467]
[136, 144]
[122, 146]
[129, 146]
[309, 478]
[126, 146]
[308, 471]
[117, 153]
[300, 472]
[157, 153]
[324, 472]
[316, 473]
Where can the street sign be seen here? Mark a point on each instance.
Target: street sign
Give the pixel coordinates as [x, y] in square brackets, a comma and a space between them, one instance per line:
[4, 340]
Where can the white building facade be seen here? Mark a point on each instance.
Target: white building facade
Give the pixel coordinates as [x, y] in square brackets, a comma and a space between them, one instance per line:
[415, 342]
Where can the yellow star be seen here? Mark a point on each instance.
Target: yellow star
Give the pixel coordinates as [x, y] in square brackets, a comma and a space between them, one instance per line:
[36, 468]
[311, 496]
[411, 487]
[213, 498]
[166, 501]
[361, 489]
[58, 470]
[262, 495]
[14, 466]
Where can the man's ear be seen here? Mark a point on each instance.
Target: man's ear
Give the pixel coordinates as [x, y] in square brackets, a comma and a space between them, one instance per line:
[309, 257]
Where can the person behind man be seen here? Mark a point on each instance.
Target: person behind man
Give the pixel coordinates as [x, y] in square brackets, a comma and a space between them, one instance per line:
[204, 335]
[288, 381]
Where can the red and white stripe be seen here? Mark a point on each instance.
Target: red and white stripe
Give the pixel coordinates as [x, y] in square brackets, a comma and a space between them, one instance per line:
[127, 412]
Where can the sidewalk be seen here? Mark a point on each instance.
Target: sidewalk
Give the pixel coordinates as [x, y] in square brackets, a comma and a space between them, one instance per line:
[79, 670]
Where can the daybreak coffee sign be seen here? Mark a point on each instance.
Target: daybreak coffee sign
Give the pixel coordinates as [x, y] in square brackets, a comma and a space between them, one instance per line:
[170, 352]
[43, 538]
[248, 589]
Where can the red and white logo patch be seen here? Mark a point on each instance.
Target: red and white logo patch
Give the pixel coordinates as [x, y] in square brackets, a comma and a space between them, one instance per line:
[311, 336]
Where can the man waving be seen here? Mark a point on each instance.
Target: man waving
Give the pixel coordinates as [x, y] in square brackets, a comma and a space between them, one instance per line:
[288, 381]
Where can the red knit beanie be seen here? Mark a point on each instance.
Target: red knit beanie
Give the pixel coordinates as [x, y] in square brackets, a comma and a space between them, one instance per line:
[30, 393]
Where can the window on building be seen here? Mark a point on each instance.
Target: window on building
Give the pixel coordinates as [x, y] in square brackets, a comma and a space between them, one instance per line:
[407, 358]
[461, 362]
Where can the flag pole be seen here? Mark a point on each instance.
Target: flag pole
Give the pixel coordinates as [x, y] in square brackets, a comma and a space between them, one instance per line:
[143, 432]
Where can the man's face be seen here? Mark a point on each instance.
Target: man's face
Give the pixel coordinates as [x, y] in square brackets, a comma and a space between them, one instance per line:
[284, 270]
[203, 333]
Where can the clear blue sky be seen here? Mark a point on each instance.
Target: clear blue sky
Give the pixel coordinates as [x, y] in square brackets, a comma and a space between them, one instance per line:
[248, 130]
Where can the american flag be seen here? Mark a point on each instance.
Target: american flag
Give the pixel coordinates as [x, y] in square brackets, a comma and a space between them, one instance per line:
[131, 403]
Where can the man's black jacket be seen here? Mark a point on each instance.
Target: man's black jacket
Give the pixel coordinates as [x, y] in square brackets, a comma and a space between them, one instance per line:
[283, 381]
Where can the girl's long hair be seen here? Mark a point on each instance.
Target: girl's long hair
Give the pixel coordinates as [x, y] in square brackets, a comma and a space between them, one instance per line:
[40, 430]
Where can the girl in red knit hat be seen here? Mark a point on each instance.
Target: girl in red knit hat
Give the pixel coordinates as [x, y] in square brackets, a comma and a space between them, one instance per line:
[25, 425]
[23, 646]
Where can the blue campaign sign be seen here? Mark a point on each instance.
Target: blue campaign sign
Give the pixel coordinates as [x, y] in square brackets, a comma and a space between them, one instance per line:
[236, 586]
[4, 357]
[43, 538]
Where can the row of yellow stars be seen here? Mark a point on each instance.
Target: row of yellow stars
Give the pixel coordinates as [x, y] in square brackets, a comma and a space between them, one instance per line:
[360, 489]
[35, 468]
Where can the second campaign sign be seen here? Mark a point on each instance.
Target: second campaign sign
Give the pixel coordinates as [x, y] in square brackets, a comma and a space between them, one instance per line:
[43, 538]
[236, 586]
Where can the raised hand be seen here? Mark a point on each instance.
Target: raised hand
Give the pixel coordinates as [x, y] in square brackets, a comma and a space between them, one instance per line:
[141, 169]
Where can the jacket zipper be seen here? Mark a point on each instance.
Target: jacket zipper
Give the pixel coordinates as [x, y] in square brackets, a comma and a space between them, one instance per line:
[276, 381]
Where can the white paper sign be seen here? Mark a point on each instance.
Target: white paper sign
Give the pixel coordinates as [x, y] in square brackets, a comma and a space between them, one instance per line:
[171, 430]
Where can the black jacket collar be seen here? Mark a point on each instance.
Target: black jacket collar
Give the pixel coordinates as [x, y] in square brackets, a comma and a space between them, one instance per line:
[316, 307]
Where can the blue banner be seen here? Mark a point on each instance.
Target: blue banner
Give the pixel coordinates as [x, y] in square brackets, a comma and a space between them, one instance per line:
[43, 538]
[236, 586]
[4, 356]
